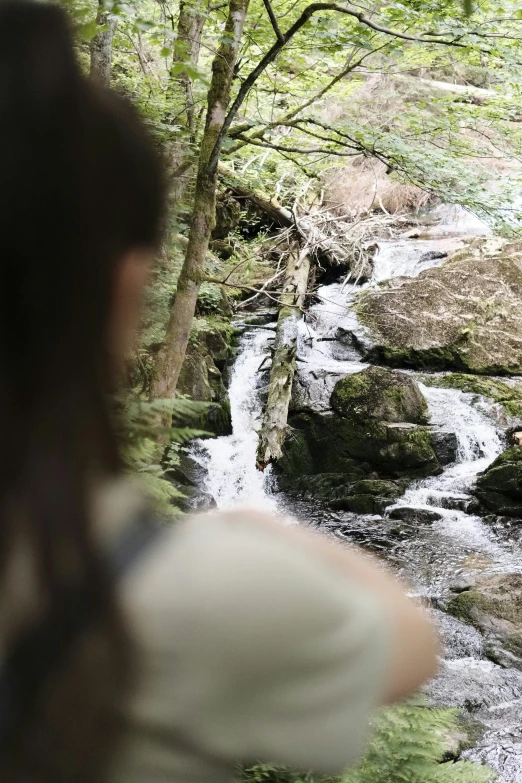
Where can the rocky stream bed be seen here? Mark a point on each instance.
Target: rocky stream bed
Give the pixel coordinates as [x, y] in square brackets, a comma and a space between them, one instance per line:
[410, 463]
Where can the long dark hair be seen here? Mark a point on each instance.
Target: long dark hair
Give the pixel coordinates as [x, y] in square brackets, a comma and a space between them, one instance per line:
[80, 185]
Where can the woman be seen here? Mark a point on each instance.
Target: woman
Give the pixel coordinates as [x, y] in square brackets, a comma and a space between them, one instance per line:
[229, 637]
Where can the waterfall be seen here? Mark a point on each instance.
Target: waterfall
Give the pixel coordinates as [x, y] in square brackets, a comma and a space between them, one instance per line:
[476, 434]
[231, 477]
[432, 556]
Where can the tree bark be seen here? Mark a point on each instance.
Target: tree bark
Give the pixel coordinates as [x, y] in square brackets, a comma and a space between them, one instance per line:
[101, 47]
[191, 21]
[204, 212]
[273, 430]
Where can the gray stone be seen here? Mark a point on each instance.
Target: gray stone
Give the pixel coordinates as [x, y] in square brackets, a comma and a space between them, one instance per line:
[464, 314]
[419, 516]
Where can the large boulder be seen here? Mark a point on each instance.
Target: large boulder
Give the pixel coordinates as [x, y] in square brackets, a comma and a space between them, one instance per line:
[379, 394]
[361, 452]
[499, 488]
[493, 604]
[463, 315]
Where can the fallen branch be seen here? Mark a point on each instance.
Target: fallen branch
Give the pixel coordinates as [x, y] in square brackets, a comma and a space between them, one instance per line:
[320, 240]
[273, 430]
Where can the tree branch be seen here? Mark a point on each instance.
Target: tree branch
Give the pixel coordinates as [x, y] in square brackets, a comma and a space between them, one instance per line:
[272, 53]
[301, 151]
[275, 25]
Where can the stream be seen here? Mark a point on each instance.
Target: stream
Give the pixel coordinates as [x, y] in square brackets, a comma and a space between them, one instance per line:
[431, 557]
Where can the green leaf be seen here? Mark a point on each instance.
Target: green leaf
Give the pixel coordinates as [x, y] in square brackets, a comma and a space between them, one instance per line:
[88, 31]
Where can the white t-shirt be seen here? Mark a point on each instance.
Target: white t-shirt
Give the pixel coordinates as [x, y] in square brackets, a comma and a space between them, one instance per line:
[251, 649]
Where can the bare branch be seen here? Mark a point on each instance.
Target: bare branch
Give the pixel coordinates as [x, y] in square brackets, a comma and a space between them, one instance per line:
[309, 151]
[275, 25]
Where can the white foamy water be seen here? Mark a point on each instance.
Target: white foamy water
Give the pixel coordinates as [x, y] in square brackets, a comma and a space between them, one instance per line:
[410, 257]
[230, 461]
[478, 445]
[477, 435]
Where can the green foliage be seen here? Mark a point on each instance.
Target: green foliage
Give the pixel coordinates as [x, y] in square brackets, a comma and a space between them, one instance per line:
[408, 746]
[143, 428]
[210, 298]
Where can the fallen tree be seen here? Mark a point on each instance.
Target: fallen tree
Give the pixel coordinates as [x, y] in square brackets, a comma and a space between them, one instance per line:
[322, 244]
[283, 362]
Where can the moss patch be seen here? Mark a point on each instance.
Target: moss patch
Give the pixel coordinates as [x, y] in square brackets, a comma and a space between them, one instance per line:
[380, 394]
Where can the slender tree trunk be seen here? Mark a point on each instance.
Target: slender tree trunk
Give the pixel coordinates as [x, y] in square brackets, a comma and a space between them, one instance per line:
[192, 18]
[282, 373]
[101, 47]
[204, 212]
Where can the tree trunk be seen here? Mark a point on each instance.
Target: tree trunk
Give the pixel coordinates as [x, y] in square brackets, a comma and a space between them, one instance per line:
[191, 21]
[273, 431]
[204, 212]
[101, 47]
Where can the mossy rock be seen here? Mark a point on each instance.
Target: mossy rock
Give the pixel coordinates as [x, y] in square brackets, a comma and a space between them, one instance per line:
[336, 445]
[379, 394]
[228, 216]
[218, 419]
[209, 351]
[296, 459]
[464, 315]
[378, 488]
[340, 491]
[361, 504]
[499, 488]
[494, 606]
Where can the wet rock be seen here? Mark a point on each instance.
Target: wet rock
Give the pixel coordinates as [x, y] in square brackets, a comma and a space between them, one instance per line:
[418, 516]
[499, 488]
[313, 388]
[445, 445]
[494, 606]
[462, 584]
[333, 444]
[381, 394]
[368, 496]
[432, 255]
[261, 317]
[376, 432]
[454, 503]
[377, 427]
[202, 373]
[464, 314]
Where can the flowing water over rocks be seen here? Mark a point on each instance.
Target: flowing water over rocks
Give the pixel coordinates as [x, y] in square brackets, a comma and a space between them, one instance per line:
[427, 534]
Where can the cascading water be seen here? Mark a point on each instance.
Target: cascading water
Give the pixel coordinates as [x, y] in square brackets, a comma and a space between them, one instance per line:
[229, 462]
[430, 556]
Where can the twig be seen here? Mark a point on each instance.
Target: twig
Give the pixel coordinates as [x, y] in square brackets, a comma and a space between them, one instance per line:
[275, 25]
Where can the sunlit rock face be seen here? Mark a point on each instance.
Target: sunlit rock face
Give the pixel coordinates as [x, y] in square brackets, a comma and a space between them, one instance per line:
[464, 314]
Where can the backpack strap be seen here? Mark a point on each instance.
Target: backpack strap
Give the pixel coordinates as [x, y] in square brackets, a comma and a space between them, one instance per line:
[54, 635]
